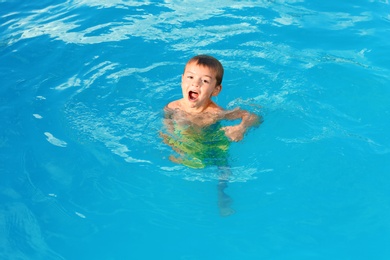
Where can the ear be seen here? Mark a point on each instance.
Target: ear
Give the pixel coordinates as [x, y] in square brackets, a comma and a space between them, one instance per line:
[216, 91]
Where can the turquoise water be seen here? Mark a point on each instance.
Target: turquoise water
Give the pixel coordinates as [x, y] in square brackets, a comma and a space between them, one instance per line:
[85, 175]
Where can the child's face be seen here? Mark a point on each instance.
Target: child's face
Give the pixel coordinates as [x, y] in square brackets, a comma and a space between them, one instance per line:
[198, 85]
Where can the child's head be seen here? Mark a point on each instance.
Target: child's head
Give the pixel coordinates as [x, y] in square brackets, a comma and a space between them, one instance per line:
[210, 62]
[200, 81]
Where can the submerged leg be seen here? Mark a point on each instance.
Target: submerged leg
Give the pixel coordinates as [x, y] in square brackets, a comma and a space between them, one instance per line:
[224, 200]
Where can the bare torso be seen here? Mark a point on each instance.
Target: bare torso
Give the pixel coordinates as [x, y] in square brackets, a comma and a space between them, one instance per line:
[178, 113]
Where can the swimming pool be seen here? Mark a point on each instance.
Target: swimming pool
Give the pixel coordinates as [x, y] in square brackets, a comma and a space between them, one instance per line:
[85, 175]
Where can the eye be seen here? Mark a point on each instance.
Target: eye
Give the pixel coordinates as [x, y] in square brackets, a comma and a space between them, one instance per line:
[190, 77]
[206, 81]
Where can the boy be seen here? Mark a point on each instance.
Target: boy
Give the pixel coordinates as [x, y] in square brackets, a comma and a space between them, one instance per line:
[193, 122]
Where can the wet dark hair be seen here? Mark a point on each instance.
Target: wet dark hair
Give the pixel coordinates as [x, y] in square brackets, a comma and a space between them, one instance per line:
[210, 62]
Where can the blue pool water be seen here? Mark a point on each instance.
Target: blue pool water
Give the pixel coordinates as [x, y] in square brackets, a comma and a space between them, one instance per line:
[85, 175]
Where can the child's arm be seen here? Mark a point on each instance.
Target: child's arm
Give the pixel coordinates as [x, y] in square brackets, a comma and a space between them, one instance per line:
[168, 122]
[236, 132]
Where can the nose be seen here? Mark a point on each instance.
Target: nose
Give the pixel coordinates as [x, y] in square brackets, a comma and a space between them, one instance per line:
[196, 82]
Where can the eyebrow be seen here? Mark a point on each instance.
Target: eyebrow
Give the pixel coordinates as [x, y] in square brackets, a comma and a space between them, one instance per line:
[188, 71]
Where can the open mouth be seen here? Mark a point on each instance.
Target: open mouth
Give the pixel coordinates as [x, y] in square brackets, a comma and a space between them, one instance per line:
[192, 95]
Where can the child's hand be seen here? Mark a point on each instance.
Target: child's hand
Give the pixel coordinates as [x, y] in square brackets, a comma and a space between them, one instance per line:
[234, 133]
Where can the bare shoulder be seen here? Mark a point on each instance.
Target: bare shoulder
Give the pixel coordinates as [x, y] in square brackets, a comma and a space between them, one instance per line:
[215, 111]
[173, 109]
[173, 105]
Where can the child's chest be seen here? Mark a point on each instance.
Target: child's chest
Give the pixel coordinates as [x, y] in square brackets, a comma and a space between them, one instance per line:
[197, 120]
